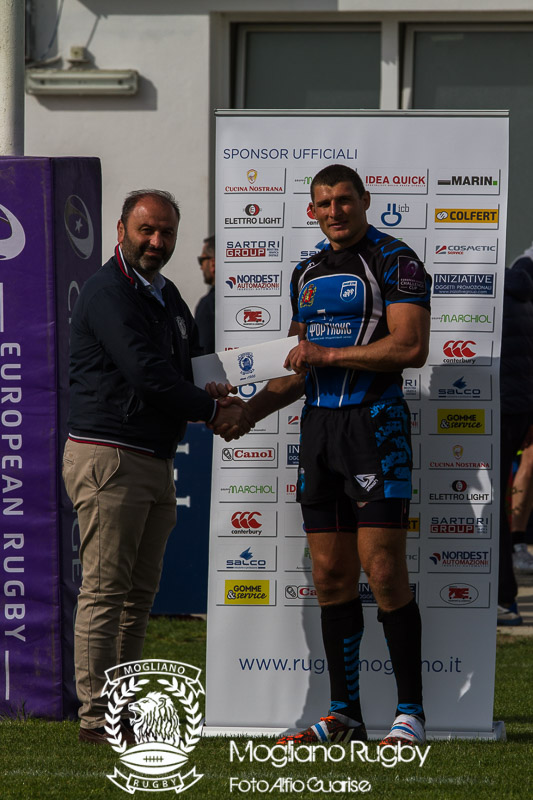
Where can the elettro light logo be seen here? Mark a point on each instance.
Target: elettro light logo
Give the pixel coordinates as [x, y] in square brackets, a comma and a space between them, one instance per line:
[164, 736]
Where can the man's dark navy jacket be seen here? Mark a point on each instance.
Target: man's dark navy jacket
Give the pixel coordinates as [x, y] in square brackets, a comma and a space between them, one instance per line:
[130, 364]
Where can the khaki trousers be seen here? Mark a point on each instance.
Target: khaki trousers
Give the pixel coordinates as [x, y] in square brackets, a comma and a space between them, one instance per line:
[126, 506]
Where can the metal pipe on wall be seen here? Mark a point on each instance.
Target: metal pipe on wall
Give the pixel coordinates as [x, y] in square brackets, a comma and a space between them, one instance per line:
[12, 13]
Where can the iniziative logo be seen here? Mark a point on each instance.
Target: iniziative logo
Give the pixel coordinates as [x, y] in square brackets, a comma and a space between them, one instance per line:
[153, 691]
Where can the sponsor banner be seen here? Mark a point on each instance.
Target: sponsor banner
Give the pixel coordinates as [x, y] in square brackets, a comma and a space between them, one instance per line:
[473, 351]
[412, 557]
[246, 591]
[299, 181]
[413, 526]
[245, 249]
[390, 215]
[472, 316]
[367, 597]
[416, 418]
[459, 558]
[486, 218]
[474, 593]
[290, 492]
[466, 421]
[252, 317]
[465, 248]
[254, 180]
[290, 421]
[463, 490]
[263, 214]
[411, 385]
[249, 456]
[453, 384]
[464, 284]
[293, 455]
[415, 498]
[300, 215]
[257, 556]
[444, 522]
[391, 181]
[464, 455]
[297, 592]
[451, 181]
[259, 487]
[297, 556]
[304, 246]
[251, 282]
[253, 520]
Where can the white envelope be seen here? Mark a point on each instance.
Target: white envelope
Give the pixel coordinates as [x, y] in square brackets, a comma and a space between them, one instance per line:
[254, 364]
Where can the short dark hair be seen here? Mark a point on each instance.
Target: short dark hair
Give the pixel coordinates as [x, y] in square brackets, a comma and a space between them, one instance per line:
[139, 194]
[210, 245]
[338, 173]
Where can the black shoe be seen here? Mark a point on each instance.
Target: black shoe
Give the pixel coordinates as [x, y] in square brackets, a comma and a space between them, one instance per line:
[101, 736]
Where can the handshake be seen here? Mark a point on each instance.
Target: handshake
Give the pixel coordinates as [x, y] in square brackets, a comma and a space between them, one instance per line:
[233, 417]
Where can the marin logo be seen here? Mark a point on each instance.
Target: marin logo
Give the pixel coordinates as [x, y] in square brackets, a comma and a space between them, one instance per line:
[12, 236]
[246, 362]
[79, 226]
[165, 736]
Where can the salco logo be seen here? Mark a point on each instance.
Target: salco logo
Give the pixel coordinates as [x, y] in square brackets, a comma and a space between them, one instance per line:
[245, 561]
[466, 560]
[460, 420]
[459, 526]
[249, 455]
[459, 594]
[268, 214]
[252, 317]
[459, 388]
[465, 284]
[253, 250]
[295, 592]
[478, 216]
[246, 522]
[254, 282]
[293, 455]
[388, 181]
[239, 593]
[460, 494]
[12, 236]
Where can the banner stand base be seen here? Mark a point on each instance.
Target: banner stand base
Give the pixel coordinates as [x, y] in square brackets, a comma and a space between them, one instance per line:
[497, 733]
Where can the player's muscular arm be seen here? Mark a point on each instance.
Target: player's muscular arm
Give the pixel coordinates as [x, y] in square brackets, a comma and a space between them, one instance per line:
[406, 345]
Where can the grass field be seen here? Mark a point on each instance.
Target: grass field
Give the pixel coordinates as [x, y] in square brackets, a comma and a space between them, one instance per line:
[40, 759]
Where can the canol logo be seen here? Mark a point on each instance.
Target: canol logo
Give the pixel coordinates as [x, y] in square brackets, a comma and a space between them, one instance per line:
[79, 226]
[248, 454]
[164, 741]
[12, 236]
[305, 592]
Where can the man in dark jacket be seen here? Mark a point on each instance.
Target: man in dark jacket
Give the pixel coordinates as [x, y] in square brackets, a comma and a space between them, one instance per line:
[516, 388]
[131, 395]
[204, 314]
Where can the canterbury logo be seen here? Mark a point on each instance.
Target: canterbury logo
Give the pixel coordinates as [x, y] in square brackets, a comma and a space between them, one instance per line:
[366, 481]
[459, 349]
[246, 519]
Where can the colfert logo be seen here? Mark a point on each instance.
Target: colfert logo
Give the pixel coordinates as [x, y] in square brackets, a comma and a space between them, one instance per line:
[79, 226]
[164, 737]
[12, 236]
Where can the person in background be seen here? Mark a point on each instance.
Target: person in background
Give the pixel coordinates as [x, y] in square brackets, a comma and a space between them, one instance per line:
[205, 310]
[516, 390]
[522, 505]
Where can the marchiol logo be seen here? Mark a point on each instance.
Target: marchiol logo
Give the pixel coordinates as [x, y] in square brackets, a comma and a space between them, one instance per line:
[164, 738]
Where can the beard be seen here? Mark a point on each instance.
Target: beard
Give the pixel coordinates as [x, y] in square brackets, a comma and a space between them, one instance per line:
[144, 258]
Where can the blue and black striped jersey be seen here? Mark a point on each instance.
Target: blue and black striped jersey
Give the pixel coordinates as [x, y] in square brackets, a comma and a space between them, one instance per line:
[342, 297]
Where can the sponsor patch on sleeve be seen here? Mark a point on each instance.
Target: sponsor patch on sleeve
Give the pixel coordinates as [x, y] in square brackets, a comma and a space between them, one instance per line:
[411, 276]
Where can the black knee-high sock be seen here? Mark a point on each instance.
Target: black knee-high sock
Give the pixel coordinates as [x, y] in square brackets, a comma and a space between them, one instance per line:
[403, 632]
[342, 630]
